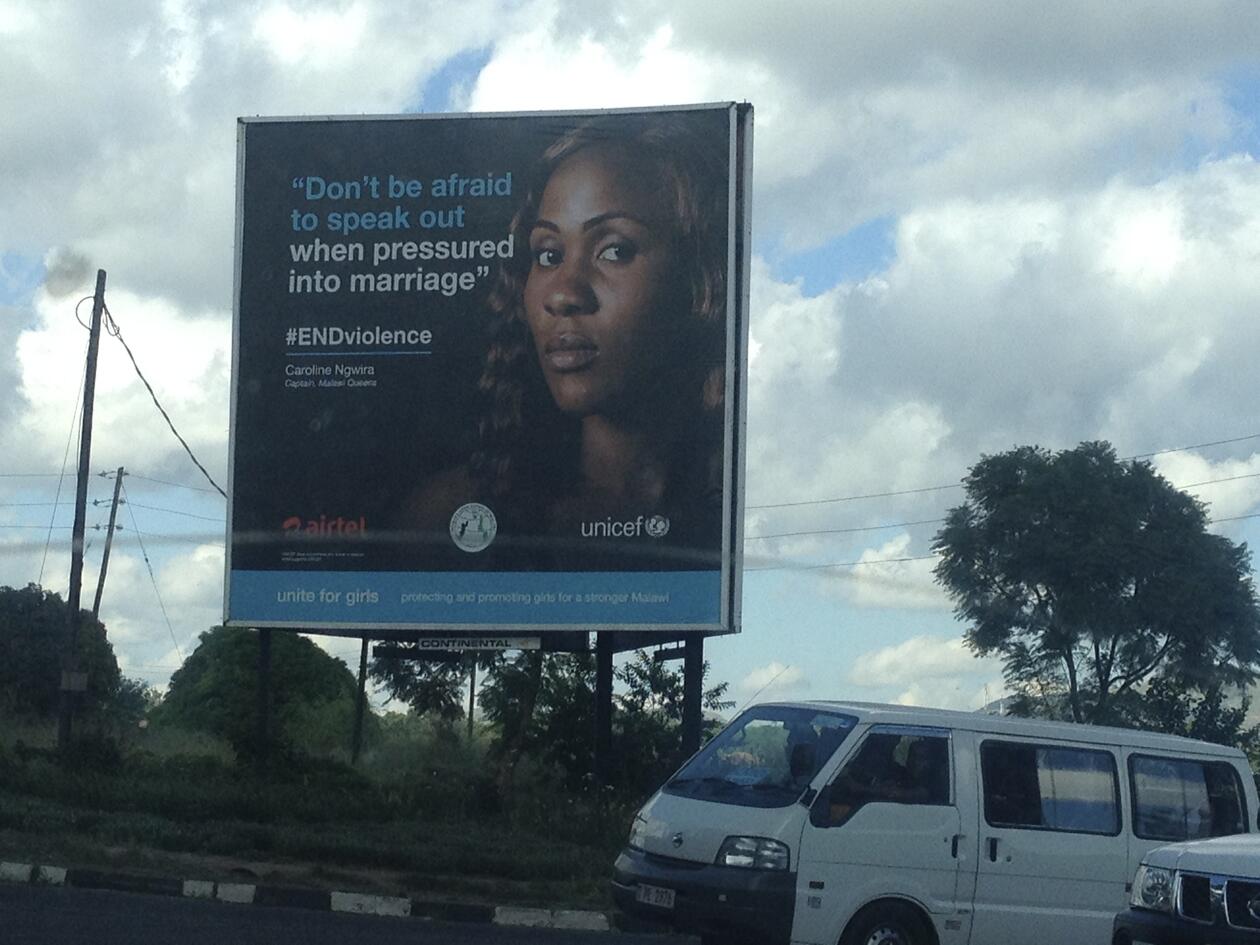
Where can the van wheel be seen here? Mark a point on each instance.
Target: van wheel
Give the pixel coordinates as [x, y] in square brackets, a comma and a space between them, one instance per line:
[887, 923]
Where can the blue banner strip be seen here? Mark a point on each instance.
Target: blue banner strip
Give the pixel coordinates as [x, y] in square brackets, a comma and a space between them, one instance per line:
[454, 599]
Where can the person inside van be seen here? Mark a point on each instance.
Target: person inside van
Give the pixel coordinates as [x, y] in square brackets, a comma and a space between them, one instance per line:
[892, 769]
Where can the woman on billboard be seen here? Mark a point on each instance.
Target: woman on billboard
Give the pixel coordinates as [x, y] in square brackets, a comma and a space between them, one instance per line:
[604, 381]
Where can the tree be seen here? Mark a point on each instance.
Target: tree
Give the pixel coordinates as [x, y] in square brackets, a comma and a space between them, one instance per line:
[216, 691]
[33, 629]
[1090, 577]
[544, 706]
[1208, 715]
[437, 688]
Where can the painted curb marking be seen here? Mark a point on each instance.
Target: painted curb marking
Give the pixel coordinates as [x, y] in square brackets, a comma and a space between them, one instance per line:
[50, 875]
[370, 905]
[198, 889]
[239, 893]
[529, 918]
[585, 921]
[347, 902]
[16, 872]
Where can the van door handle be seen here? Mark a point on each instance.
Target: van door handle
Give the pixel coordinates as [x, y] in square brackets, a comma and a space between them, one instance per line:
[953, 847]
[993, 849]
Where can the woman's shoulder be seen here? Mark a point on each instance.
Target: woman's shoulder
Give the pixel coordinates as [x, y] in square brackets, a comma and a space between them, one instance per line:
[432, 503]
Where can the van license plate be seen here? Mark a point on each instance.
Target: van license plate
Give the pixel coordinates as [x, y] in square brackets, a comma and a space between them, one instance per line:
[655, 896]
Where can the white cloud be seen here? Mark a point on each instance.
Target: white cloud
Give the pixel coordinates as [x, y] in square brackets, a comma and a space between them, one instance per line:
[950, 694]
[185, 359]
[1229, 488]
[885, 580]
[320, 37]
[1075, 229]
[773, 681]
[931, 671]
[915, 659]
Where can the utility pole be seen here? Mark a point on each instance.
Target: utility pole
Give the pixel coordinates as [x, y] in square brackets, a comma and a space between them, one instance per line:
[360, 701]
[109, 540]
[472, 694]
[73, 680]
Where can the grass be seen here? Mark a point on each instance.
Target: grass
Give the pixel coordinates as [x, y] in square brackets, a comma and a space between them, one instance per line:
[420, 813]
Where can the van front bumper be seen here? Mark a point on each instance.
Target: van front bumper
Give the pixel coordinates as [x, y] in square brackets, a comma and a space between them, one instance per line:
[742, 904]
[1143, 927]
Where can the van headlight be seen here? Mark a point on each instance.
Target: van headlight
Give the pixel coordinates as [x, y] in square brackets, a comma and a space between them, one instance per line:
[637, 829]
[1152, 889]
[755, 853]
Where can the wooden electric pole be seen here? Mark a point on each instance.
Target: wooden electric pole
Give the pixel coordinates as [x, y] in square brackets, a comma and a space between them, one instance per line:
[109, 541]
[360, 703]
[73, 680]
[472, 694]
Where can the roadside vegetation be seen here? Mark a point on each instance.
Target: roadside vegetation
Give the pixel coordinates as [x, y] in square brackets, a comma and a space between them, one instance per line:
[504, 809]
[419, 806]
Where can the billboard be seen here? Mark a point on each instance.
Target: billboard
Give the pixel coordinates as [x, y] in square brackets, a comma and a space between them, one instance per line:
[488, 371]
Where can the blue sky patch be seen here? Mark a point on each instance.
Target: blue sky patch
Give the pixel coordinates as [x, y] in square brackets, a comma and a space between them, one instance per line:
[851, 257]
[20, 276]
[1242, 93]
[456, 75]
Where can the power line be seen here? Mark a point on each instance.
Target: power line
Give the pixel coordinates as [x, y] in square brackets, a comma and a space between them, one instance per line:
[937, 521]
[65, 459]
[853, 498]
[1197, 446]
[178, 485]
[842, 564]
[154, 508]
[842, 531]
[856, 564]
[958, 485]
[153, 578]
[111, 326]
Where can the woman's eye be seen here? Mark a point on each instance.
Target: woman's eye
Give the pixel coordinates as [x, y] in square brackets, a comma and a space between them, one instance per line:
[546, 257]
[617, 252]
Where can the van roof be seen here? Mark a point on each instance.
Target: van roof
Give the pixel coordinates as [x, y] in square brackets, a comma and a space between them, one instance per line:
[875, 712]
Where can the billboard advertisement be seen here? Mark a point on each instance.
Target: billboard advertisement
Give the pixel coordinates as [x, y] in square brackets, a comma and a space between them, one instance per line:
[489, 370]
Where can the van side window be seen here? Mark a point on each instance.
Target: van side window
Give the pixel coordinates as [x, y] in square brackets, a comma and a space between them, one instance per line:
[1050, 788]
[891, 768]
[1183, 799]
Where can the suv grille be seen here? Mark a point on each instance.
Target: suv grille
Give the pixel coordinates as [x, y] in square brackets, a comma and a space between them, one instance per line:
[1196, 897]
[1242, 903]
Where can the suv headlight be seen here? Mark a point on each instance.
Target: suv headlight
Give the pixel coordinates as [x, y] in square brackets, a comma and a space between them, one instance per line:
[1152, 889]
[756, 853]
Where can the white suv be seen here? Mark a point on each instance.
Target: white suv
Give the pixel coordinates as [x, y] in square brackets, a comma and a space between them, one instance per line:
[1201, 892]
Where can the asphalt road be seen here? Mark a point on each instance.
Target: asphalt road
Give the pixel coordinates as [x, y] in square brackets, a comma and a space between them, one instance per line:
[45, 915]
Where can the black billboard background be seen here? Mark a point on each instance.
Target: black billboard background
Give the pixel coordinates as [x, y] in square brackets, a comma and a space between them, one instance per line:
[328, 457]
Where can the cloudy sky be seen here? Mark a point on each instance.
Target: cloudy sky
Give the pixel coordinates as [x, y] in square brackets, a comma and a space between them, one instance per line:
[976, 226]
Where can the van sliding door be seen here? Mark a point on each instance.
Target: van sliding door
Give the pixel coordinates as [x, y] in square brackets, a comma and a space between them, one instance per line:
[1052, 857]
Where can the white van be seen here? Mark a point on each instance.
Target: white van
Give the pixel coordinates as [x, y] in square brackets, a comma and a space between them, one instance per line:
[860, 824]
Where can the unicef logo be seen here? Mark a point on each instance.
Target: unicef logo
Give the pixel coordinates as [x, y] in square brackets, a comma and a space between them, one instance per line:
[473, 527]
[657, 526]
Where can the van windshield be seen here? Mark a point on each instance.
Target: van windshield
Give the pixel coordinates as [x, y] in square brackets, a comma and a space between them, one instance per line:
[765, 758]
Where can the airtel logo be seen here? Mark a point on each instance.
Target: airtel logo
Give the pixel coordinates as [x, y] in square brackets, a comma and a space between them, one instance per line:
[323, 526]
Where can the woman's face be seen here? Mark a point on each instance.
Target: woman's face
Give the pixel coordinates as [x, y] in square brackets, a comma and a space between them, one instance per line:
[599, 301]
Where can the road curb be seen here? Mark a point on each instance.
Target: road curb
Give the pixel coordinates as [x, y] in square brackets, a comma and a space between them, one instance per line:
[298, 898]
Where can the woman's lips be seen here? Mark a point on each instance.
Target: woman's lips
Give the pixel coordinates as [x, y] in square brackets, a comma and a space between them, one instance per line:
[570, 352]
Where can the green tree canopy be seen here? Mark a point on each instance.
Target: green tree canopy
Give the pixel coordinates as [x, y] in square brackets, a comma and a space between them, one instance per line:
[216, 691]
[1091, 577]
[544, 707]
[34, 626]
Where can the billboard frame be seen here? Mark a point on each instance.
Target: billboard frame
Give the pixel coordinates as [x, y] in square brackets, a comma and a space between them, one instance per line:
[735, 421]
